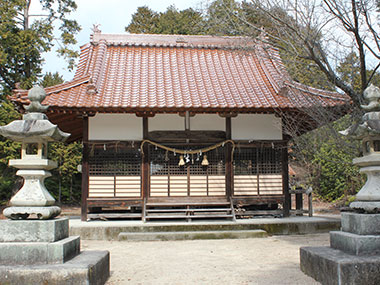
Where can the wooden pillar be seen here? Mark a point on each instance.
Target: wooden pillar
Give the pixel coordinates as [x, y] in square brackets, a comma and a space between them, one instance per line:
[85, 169]
[285, 181]
[145, 162]
[299, 203]
[228, 162]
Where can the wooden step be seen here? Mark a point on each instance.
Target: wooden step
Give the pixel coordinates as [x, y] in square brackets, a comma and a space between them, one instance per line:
[114, 215]
[188, 210]
[216, 209]
[188, 216]
[178, 204]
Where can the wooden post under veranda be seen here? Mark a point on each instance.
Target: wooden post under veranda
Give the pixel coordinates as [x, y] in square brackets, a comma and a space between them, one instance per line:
[85, 169]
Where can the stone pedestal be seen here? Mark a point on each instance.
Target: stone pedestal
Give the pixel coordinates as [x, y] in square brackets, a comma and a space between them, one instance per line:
[353, 256]
[41, 252]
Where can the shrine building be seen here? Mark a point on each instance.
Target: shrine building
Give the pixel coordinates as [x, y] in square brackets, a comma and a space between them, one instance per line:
[182, 127]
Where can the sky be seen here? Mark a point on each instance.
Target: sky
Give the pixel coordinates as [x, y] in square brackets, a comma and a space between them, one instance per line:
[112, 15]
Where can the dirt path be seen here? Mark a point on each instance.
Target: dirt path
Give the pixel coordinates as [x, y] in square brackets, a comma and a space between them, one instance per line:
[273, 260]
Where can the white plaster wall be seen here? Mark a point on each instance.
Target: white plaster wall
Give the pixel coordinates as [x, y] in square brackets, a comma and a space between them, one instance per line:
[256, 127]
[115, 127]
[166, 122]
[207, 122]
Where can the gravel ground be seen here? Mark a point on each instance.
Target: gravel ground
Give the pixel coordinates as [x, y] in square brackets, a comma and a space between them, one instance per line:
[272, 260]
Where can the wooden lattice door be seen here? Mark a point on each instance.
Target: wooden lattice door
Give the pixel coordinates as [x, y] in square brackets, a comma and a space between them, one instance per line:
[168, 179]
[257, 171]
[114, 170]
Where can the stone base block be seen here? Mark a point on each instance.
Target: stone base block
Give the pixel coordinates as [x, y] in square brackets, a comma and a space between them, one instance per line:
[361, 224]
[23, 253]
[89, 267]
[22, 213]
[334, 267]
[355, 244]
[34, 230]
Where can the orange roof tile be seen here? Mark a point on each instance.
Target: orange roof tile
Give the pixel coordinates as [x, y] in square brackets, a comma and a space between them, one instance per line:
[164, 73]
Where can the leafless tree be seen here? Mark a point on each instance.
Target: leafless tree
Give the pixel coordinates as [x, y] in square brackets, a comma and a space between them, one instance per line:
[325, 32]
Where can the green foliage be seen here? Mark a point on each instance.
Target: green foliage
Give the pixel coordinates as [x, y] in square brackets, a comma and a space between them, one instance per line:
[172, 21]
[22, 42]
[328, 157]
[144, 21]
[51, 79]
[65, 184]
[224, 18]
[8, 150]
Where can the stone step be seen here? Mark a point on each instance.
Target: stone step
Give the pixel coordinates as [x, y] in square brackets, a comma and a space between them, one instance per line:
[32, 253]
[101, 230]
[88, 267]
[355, 244]
[332, 266]
[195, 235]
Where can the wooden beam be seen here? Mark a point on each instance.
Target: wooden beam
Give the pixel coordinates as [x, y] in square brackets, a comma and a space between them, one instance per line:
[258, 200]
[184, 136]
[85, 169]
[114, 202]
[285, 182]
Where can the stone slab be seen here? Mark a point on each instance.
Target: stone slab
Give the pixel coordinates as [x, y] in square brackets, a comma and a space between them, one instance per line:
[34, 230]
[153, 236]
[355, 244]
[361, 224]
[334, 267]
[89, 267]
[24, 253]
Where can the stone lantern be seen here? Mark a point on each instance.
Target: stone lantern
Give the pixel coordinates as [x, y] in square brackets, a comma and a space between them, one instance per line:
[354, 253]
[368, 198]
[40, 251]
[34, 131]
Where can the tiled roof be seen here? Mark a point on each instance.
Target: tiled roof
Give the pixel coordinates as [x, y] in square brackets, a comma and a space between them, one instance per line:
[167, 73]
